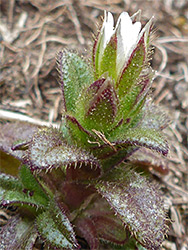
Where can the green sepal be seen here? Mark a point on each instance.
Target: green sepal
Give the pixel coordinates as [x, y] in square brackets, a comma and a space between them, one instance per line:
[131, 82]
[74, 74]
[108, 60]
[98, 105]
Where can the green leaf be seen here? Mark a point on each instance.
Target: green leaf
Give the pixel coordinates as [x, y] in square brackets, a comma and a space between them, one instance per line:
[30, 183]
[111, 159]
[12, 192]
[76, 133]
[138, 203]
[8, 182]
[55, 228]
[141, 137]
[20, 198]
[74, 74]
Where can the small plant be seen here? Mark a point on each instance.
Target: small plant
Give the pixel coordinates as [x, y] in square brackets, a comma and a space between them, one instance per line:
[81, 186]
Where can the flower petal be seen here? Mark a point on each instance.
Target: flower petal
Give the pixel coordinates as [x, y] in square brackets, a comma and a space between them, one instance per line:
[127, 39]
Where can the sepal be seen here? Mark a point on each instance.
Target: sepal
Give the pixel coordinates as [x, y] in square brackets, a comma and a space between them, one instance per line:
[100, 104]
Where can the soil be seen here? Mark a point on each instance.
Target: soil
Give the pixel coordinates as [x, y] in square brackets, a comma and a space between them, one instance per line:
[31, 34]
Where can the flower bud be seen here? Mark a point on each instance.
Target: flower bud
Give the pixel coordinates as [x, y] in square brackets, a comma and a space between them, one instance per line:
[114, 46]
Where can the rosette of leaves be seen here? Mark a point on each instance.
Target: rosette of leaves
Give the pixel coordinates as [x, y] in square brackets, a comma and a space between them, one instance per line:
[74, 188]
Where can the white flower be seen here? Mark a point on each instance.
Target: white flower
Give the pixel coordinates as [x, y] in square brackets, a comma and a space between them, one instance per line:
[128, 35]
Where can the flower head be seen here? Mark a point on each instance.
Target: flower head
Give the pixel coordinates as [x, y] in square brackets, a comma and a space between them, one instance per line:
[118, 43]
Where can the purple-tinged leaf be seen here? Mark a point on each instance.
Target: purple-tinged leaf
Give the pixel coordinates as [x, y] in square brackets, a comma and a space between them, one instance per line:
[86, 229]
[47, 151]
[100, 221]
[18, 233]
[110, 229]
[146, 159]
[138, 203]
[74, 194]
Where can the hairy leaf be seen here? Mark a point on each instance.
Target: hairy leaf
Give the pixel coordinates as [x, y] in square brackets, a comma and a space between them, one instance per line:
[77, 134]
[8, 182]
[32, 186]
[145, 158]
[12, 192]
[154, 117]
[18, 234]
[143, 137]
[54, 227]
[138, 203]
[48, 151]
[74, 74]
[23, 199]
